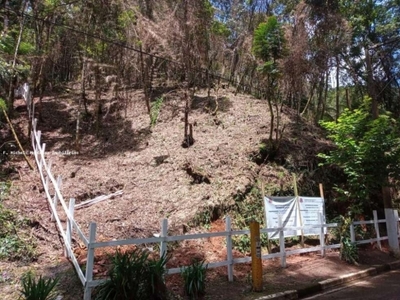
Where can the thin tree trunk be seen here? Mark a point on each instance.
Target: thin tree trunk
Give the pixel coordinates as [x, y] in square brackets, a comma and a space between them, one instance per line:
[309, 98]
[387, 197]
[97, 98]
[12, 85]
[5, 23]
[337, 89]
[348, 100]
[371, 85]
[144, 82]
[17, 140]
[81, 98]
[325, 97]
[320, 99]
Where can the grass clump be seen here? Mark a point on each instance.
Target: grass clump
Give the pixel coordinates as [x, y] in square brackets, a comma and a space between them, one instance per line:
[133, 275]
[155, 111]
[40, 289]
[194, 277]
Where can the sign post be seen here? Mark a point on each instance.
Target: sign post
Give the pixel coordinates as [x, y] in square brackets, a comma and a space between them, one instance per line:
[294, 212]
[296, 194]
[256, 262]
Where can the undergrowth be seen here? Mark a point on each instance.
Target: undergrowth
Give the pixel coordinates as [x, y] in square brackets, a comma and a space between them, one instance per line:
[155, 111]
[348, 249]
[194, 277]
[14, 244]
[38, 289]
[248, 208]
[133, 275]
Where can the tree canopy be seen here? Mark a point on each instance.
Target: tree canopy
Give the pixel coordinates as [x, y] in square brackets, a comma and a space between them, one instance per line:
[368, 152]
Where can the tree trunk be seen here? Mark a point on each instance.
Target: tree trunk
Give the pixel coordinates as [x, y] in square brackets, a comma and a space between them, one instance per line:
[188, 139]
[5, 24]
[371, 85]
[13, 79]
[144, 82]
[320, 99]
[337, 89]
[348, 100]
[325, 97]
[387, 197]
[97, 83]
[309, 98]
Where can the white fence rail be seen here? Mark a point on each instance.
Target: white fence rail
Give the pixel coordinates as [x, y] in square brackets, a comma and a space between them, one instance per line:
[71, 228]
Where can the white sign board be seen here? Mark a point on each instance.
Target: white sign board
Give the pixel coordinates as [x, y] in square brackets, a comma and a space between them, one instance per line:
[294, 212]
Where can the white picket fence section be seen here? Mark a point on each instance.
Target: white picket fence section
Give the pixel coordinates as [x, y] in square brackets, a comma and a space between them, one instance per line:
[52, 187]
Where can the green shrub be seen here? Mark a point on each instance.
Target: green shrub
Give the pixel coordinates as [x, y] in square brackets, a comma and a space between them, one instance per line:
[250, 207]
[368, 152]
[5, 187]
[13, 244]
[42, 289]
[155, 111]
[134, 276]
[348, 249]
[194, 277]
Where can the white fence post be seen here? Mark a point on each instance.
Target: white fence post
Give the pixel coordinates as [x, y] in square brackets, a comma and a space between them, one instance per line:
[396, 217]
[42, 156]
[71, 207]
[49, 165]
[282, 242]
[55, 198]
[352, 233]
[376, 226]
[391, 226]
[90, 262]
[33, 134]
[46, 185]
[164, 233]
[322, 235]
[48, 172]
[39, 137]
[229, 255]
[33, 108]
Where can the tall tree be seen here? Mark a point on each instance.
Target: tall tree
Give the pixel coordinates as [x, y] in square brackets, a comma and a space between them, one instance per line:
[269, 45]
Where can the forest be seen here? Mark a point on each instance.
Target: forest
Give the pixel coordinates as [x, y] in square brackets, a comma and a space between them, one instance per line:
[199, 108]
[328, 61]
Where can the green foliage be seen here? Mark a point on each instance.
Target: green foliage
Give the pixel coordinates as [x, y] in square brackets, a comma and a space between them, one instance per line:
[251, 207]
[126, 17]
[203, 218]
[25, 48]
[348, 249]
[134, 276]
[269, 44]
[368, 152]
[220, 29]
[41, 289]
[194, 277]
[5, 186]
[155, 111]
[13, 245]
[2, 104]
[208, 9]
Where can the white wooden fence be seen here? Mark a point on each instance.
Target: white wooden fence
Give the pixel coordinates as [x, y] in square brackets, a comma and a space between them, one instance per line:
[71, 228]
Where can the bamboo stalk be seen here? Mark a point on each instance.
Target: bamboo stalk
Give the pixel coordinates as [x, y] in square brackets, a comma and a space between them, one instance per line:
[16, 139]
